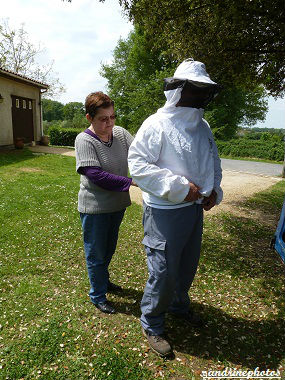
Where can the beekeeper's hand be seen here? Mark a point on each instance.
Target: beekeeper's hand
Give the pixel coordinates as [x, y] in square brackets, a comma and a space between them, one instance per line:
[193, 193]
[210, 201]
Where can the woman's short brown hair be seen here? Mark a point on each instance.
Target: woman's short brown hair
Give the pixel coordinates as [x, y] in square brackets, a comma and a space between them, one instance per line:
[95, 101]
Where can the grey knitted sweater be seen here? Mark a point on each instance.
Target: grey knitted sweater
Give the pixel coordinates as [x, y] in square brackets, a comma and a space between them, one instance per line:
[93, 199]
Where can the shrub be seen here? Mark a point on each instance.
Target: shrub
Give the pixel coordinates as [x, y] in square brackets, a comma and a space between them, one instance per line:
[47, 125]
[63, 137]
[78, 122]
[271, 149]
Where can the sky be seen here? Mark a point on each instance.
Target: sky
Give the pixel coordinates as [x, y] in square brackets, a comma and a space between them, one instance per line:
[79, 37]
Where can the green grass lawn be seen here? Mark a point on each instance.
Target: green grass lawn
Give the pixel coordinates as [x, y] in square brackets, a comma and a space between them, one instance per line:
[49, 329]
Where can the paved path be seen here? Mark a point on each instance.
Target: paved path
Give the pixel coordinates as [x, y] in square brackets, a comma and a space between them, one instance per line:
[52, 150]
[259, 168]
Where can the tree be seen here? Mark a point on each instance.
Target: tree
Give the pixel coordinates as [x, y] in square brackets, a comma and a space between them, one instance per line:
[135, 82]
[52, 110]
[73, 108]
[241, 42]
[19, 55]
[235, 107]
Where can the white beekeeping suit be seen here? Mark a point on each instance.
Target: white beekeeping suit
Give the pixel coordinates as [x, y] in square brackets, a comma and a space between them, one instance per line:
[175, 146]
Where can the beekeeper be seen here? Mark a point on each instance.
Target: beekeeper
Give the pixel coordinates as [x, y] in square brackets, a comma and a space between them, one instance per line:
[175, 162]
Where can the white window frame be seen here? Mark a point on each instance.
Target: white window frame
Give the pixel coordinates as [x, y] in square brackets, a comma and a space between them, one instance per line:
[17, 103]
[24, 104]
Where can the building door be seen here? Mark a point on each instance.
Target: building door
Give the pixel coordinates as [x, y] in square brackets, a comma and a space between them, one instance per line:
[22, 118]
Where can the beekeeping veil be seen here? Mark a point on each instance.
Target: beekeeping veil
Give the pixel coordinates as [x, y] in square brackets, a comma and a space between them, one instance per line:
[197, 89]
[187, 94]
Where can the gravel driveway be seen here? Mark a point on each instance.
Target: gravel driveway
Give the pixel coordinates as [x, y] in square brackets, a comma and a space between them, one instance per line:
[237, 186]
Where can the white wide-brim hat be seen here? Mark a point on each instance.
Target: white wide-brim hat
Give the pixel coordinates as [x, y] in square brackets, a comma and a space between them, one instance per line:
[193, 70]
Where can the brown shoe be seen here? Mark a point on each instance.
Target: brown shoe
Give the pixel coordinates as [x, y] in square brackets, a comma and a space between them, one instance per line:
[158, 344]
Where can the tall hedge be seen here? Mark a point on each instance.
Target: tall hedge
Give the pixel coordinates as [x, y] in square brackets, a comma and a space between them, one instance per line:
[240, 147]
[267, 150]
[63, 137]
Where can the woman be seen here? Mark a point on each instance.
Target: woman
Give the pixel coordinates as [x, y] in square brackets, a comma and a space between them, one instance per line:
[101, 159]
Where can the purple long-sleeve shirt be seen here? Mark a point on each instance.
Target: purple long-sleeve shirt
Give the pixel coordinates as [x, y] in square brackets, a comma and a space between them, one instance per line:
[100, 177]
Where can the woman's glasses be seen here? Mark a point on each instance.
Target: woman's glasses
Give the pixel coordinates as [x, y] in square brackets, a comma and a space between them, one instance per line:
[105, 119]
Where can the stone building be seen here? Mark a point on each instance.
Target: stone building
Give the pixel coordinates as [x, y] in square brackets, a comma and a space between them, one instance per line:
[20, 108]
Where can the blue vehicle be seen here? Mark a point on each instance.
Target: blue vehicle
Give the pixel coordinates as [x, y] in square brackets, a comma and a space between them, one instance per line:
[278, 242]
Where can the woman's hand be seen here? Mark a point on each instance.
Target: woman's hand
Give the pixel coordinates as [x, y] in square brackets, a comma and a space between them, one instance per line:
[134, 184]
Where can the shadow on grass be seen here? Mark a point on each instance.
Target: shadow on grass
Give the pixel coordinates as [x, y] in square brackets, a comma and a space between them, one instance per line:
[225, 338]
[268, 201]
[229, 339]
[14, 156]
[237, 246]
[240, 246]
[131, 303]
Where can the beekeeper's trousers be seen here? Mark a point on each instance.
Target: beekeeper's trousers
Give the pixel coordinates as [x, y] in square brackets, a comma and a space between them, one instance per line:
[172, 239]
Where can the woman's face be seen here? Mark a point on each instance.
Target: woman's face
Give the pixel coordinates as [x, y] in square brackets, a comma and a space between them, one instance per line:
[103, 122]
